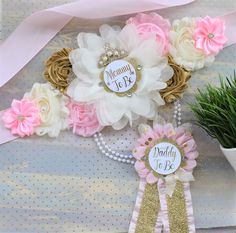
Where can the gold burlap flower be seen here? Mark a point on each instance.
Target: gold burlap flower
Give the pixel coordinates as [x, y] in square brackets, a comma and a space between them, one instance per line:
[177, 84]
[58, 69]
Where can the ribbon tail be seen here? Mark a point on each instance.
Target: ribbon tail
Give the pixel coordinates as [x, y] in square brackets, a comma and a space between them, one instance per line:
[157, 212]
[163, 204]
[134, 219]
[189, 208]
[146, 211]
[159, 226]
[180, 210]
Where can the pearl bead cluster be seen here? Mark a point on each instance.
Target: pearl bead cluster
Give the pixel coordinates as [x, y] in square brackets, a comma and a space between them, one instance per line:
[177, 113]
[108, 152]
[111, 55]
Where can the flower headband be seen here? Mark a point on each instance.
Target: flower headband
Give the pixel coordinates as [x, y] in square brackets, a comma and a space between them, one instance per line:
[121, 76]
[116, 78]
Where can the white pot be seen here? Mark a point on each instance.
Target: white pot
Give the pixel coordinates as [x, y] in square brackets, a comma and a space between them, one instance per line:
[230, 155]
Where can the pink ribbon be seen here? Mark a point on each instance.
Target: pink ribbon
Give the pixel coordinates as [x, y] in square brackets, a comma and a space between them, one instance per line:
[5, 134]
[189, 208]
[138, 203]
[39, 28]
[162, 222]
[163, 203]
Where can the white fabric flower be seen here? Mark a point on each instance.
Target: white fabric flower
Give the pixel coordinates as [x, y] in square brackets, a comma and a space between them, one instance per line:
[182, 47]
[112, 109]
[52, 108]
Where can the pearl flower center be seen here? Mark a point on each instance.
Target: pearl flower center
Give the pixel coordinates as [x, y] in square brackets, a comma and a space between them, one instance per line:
[210, 35]
[20, 118]
[44, 106]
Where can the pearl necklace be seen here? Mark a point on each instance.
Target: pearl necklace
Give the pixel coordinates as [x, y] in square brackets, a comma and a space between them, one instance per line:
[177, 113]
[108, 152]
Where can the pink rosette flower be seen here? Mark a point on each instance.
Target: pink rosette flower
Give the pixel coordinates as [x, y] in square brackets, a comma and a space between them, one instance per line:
[83, 119]
[153, 24]
[22, 118]
[182, 139]
[209, 35]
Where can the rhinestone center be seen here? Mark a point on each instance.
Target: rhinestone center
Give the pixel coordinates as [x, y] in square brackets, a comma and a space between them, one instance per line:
[20, 118]
[210, 35]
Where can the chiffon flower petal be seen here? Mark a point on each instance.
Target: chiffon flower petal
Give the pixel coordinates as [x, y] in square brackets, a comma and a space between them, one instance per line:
[113, 110]
[83, 119]
[151, 179]
[149, 25]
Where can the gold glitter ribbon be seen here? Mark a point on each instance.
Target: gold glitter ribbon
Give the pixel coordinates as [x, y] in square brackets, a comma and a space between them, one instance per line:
[150, 207]
[177, 211]
[150, 210]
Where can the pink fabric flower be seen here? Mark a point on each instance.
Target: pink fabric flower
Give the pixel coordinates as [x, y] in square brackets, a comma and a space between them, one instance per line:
[209, 35]
[83, 119]
[181, 138]
[22, 117]
[153, 24]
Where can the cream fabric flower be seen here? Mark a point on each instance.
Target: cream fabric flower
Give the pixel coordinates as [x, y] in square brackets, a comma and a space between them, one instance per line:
[52, 107]
[182, 47]
[111, 109]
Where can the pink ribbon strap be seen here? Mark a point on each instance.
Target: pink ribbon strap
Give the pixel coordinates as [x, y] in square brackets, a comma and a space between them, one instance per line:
[189, 208]
[163, 204]
[5, 134]
[162, 221]
[158, 226]
[39, 28]
[230, 28]
[134, 219]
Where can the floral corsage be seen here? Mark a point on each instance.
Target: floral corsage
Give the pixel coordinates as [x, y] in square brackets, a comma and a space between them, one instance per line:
[118, 76]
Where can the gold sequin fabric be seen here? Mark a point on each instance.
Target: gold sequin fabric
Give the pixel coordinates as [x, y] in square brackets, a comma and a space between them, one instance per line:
[177, 84]
[58, 69]
[177, 213]
[149, 210]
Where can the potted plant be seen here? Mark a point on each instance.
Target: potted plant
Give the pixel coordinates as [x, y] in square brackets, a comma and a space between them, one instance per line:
[215, 112]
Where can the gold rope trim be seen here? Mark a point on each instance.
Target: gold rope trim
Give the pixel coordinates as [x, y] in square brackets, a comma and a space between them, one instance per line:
[177, 210]
[150, 207]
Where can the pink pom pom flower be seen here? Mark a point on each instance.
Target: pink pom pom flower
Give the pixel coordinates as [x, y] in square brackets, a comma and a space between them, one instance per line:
[209, 35]
[22, 117]
[167, 133]
[83, 119]
[153, 24]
